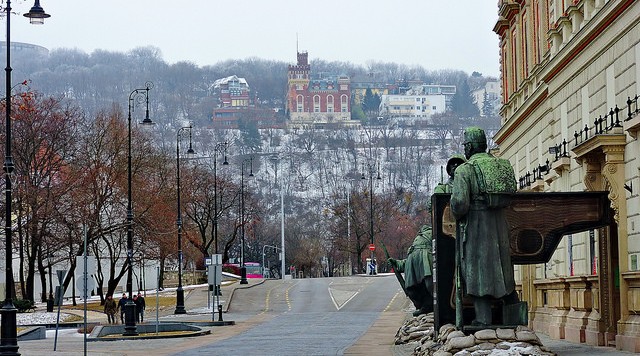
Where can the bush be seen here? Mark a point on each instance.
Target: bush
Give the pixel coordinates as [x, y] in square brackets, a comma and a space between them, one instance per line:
[24, 305]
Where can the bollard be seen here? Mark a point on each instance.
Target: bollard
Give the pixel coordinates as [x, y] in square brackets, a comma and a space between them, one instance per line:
[219, 312]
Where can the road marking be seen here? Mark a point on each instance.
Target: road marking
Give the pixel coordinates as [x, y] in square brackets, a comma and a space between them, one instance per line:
[338, 307]
[267, 299]
[391, 301]
[286, 295]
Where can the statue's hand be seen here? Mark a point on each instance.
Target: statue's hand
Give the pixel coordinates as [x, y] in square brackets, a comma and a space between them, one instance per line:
[393, 262]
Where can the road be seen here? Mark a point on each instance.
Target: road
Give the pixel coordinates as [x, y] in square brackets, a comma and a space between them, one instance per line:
[317, 316]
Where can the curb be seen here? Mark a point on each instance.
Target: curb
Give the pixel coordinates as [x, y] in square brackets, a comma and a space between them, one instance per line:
[226, 306]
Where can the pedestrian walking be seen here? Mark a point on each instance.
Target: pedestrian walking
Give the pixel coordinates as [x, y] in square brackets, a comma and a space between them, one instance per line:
[121, 304]
[140, 307]
[110, 308]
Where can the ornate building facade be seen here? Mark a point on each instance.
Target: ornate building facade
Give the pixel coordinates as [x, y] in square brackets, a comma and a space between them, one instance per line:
[570, 82]
[316, 99]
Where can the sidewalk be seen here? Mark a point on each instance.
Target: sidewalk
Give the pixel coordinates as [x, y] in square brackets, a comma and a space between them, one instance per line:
[377, 341]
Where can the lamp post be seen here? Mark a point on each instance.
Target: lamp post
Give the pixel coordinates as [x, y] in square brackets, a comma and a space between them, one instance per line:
[276, 159]
[8, 332]
[180, 292]
[243, 269]
[141, 286]
[220, 147]
[371, 168]
[130, 307]
[50, 300]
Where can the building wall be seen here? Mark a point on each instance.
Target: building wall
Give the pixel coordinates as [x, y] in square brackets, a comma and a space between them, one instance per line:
[316, 100]
[492, 90]
[412, 105]
[563, 68]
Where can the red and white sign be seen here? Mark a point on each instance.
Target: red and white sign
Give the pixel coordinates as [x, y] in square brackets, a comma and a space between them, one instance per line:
[372, 247]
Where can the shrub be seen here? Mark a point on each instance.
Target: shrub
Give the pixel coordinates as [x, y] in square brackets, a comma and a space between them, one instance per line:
[24, 305]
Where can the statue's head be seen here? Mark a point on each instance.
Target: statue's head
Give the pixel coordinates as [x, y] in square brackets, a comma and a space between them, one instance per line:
[453, 163]
[475, 141]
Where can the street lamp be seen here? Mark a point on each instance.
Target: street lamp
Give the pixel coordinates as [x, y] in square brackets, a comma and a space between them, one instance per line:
[371, 168]
[180, 292]
[8, 332]
[50, 300]
[136, 96]
[243, 269]
[141, 286]
[276, 159]
[220, 147]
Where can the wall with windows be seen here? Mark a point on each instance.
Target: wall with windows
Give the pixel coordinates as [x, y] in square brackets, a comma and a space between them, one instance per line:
[570, 82]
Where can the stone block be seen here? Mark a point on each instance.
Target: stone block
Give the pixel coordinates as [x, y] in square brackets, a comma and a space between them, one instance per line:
[486, 334]
[628, 343]
[462, 342]
[506, 334]
[453, 334]
[528, 336]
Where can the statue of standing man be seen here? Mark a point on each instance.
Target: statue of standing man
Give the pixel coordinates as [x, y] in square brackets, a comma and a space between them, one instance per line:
[481, 190]
[418, 284]
[417, 271]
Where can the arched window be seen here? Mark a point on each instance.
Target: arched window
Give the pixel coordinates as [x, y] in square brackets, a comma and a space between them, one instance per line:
[329, 103]
[344, 103]
[300, 103]
[316, 103]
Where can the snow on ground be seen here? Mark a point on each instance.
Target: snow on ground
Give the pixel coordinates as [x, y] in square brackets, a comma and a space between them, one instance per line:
[40, 318]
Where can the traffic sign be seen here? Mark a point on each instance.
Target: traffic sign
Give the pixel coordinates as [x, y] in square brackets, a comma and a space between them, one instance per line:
[91, 285]
[372, 247]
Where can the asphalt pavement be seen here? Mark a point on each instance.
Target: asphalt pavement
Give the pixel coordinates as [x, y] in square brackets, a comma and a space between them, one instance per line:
[378, 340]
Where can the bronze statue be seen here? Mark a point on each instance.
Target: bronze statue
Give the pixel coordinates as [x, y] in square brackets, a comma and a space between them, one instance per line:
[418, 284]
[481, 190]
[453, 163]
[417, 271]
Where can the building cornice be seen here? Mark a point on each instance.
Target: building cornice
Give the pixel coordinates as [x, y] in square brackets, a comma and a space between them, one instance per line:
[511, 125]
[587, 40]
[508, 10]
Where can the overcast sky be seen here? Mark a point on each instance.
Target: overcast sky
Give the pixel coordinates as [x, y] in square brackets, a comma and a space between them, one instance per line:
[441, 34]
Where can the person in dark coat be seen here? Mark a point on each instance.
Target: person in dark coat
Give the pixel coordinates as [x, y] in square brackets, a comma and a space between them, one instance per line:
[140, 306]
[481, 190]
[110, 308]
[121, 304]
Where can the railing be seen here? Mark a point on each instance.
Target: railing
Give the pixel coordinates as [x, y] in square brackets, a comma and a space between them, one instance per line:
[601, 125]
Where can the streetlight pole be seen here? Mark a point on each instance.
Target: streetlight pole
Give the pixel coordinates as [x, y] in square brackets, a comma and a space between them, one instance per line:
[8, 329]
[276, 159]
[372, 270]
[371, 167]
[282, 260]
[243, 269]
[130, 306]
[220, 146]
[180, 292]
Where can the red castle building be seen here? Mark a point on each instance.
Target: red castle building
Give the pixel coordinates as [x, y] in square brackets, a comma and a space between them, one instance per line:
[319, 99]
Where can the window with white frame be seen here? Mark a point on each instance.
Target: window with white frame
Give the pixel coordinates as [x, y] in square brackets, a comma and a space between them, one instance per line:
[316, 103]
[344, 103]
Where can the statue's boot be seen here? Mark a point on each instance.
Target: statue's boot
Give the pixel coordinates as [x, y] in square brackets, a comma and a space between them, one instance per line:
[482, 307]
[511, 298]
